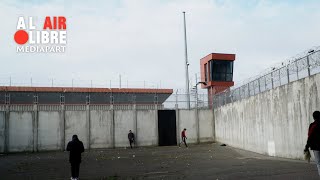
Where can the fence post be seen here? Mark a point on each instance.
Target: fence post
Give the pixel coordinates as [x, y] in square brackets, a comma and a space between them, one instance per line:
[249, 89]
[112, 121]
[198, 125]
[308, 65]
[288, 75]
[259, 85]
[177, 126]
[272, 80]
[88, 122]
[6, 128]
[136, 122]
[231, 96]
[113, 127]
[63, 126]
[279, 77]
[35, 121]
[156, 101]
[176, 105]
[213, 97]
[225, 98]
[265, 82]
[157, 121]
[296, 62]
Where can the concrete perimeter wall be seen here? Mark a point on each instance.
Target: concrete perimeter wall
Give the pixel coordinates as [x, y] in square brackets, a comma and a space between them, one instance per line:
[2, 131]
[42, 128]
[274, 122]
[20, 131]
[206, 125]
[76, 123]
[199, 123]
[147, 128]
[49, 130]
[124, 120]
[187, 119]
[101, 129]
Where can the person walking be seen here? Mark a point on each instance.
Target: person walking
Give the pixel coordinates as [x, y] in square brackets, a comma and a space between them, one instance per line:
[313, 141]
[76, 148]
[131, 138]
[183, 137]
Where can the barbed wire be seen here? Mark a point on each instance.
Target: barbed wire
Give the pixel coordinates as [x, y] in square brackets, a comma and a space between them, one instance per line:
[54, 82]
[300, 66]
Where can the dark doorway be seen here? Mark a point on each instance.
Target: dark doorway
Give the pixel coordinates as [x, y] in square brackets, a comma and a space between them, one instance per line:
[167, 127]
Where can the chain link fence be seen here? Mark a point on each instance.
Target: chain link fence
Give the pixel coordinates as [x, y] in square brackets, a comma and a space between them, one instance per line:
[179, 101]
[101, 100]
[301, 66]
[27, 81]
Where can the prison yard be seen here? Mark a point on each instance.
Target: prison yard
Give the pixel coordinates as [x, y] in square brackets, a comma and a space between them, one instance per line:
[203, 161]
[265, 116]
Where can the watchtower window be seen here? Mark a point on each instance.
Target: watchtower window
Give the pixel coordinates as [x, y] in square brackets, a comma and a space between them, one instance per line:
[206, 72]
[221, 70]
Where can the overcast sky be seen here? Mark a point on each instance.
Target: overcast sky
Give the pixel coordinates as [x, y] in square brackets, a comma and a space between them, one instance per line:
[143, 40]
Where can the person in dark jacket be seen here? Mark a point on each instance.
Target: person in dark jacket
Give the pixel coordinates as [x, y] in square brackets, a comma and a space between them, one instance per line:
[131, 138]
[313, 141]
[76, 148]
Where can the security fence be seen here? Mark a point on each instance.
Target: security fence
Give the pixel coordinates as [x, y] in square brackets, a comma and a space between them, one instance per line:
[299, 67]
[179, 101]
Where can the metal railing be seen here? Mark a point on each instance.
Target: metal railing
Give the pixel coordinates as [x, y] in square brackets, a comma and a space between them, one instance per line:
[301, 66]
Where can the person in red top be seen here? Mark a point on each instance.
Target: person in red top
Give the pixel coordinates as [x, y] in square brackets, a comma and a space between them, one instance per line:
[183, 137]
[313, 141]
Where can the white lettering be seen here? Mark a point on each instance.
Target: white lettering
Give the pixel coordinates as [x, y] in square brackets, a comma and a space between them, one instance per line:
[33, 49]
[21, 24]
[45, 37]
[41, 49]
[63, 37]
[20, 48]
[31, 26]
[54, 37]
[38, 37]
[31, 38]
[26, 49]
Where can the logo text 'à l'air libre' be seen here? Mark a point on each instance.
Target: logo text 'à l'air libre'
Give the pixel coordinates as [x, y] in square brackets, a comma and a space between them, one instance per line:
[51, 37]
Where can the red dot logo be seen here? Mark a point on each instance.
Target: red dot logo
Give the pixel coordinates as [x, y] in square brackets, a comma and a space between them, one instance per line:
[21, 37]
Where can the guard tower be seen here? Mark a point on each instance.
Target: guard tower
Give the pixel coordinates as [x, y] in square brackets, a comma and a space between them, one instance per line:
[217, 73]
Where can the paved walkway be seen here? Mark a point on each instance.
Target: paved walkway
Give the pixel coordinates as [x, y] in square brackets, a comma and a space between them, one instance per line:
[205, 161]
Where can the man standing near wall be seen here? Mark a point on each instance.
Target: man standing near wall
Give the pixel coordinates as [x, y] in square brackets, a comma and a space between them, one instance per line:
[131, 138]
[76, 148]
[314, 138]
[183, 137]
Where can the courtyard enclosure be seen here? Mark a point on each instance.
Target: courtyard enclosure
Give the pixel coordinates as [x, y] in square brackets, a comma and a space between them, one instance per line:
[50, 127]
[274, 122]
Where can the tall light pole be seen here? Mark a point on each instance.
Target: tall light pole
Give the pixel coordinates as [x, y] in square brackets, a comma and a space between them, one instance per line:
[186, 63]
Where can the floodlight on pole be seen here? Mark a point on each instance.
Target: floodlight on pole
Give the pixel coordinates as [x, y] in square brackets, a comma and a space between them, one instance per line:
[186, 61]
